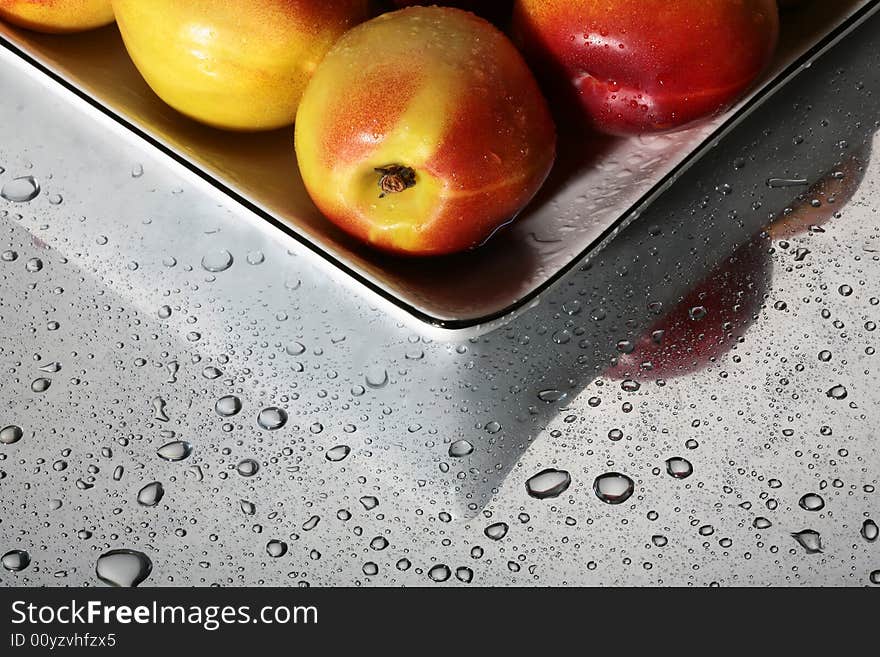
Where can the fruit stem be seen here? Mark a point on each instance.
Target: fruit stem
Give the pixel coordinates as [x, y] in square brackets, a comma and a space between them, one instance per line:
[395, 178]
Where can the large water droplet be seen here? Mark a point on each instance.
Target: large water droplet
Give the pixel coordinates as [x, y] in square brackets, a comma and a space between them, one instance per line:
[812, 502]
[810, 540]
[217, 261]
[151, 494]
[272, 418]
[125, 568]
[460, 448]
[247, 468]
[497, 531]
[227, 406]
[440, 573]
[679, 468]
[41, 384]
[837, 392]
[175, 451]
[10, 434]
[869, 530]
[376, 377]
[15, 560]
[338, 453]
[21, 190]
[276, 548]
[613, 487]
[548, 483]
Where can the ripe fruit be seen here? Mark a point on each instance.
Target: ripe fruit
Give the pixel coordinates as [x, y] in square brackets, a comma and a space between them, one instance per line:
[423, 131]
[234, 65]
[57, 15]
[637, 66]
[494, 10]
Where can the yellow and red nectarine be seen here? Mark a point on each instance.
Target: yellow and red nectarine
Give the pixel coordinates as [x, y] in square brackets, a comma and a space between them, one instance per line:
[233, 65]
[57, 16]
[423, 131]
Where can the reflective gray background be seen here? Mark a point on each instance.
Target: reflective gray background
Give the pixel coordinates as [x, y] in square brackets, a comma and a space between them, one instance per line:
[132, 302]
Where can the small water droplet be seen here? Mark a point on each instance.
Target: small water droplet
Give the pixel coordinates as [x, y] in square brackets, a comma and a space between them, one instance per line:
[837, 392]
[247, 508]
[256, 257]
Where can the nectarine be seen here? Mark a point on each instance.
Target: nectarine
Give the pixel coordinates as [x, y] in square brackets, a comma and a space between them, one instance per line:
[637, 66]
[423, 131]
[57, 16]
[234, 65]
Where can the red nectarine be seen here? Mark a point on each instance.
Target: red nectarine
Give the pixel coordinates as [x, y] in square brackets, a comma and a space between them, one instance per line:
[636, 66]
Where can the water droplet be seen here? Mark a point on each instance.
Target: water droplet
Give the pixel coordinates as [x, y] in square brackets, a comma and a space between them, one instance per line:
[151, 494]
[874, 577]
[404, 564]
[126, 568]
[376, 377]
[845, 290]
[10, 434]
[379, 543]
[164, 312]
[20, 190]
[210, 372]
[369, 502]
[272, 418]
[40, 385]
[33, 265]
[295, 349]
[440, 573]
[762, 523]
[613, 487]
[497, 531]
[810, 540]
[460, 448]
[311, 523]
[137, 171]
[869, 530]
[464, 574]
[777, 183]
[551, 396]
[227, 406]
[217, 261]
[247, 468]
[276, 548]
[247, 508]
[837, 392]
[812, 502]
[15, 560]
[255, 257]
[159, 409]
[548, 483]
[9, 256]
[175, 451]
[659, 540]
[370, 569]
[679, 468]
[338, 453]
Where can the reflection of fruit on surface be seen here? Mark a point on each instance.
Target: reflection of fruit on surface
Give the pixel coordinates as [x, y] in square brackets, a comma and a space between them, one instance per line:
[57, 15]
[241, 66]
[635, 66]
[823, 199]
[706, 323]
[423, 131]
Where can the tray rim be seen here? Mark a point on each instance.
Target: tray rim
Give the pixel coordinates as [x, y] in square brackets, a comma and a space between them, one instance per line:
[469, 327]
